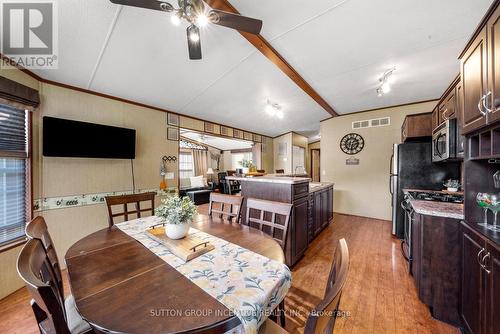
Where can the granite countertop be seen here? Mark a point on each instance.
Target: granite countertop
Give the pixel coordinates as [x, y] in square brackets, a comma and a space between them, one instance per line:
[438, 209]
[271, 179]
[433, 191]
[315, 186]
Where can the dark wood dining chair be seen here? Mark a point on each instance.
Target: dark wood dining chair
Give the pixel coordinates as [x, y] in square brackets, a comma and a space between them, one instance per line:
[321, 320]
[276, 229]
[125, 200]
[270, 226]
[220, 202]
[280, 171]
[52, 315]
[37, 229]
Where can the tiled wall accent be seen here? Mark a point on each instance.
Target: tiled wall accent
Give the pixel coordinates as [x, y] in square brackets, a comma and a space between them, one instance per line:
[51, 203]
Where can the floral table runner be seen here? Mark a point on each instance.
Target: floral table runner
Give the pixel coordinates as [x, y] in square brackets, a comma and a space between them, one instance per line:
[247, 283]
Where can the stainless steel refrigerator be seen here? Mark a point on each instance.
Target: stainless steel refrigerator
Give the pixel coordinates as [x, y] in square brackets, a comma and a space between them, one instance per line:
[412, 167]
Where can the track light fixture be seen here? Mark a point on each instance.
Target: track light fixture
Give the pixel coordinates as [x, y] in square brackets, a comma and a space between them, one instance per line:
[385, 82]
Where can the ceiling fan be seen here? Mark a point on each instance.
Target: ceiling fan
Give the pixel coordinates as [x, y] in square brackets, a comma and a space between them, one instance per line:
[193, 11]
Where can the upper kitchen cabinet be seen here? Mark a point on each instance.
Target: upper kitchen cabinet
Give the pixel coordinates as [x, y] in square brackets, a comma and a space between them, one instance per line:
[474, 74]
[416, 127]
[479, 76]
[493, 33]
[447, 107]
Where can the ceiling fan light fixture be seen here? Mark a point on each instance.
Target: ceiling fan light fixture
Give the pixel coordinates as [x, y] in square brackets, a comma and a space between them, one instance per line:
[201, 20]
[194, 36]
[175, 19]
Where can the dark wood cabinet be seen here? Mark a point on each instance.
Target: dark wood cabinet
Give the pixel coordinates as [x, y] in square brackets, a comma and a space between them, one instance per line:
[480, 284]
[448, 108]
[300, 237]
[474, 74]
[435, 118]
[436, 265]
[492, 264]
[493, 36]
[310, 210]
[480, 74]
[460, 149]
[417, 126]
[471, 303]
[321, 206]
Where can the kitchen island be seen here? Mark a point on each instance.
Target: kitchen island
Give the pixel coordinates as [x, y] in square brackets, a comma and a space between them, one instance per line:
[312, 206]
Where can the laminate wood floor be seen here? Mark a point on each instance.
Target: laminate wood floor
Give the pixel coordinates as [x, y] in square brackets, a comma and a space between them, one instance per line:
[379, 296]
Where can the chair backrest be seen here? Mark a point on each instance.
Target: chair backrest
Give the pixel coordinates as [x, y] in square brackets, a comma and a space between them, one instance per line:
[270, 226]
[322, 318]
[125, 200]
[280, 171]
[34, 268]
[37, 229]
[220, 202]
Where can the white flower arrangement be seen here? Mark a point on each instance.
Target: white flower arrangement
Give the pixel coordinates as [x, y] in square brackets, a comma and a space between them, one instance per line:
[176, 210]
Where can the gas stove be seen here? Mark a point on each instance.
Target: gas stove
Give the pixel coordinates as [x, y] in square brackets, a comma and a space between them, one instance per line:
[436, 197]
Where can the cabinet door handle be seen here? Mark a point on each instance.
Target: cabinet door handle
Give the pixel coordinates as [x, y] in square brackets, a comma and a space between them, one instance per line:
[484, 265]
[479, 256]
[484, 103]
[479, 105]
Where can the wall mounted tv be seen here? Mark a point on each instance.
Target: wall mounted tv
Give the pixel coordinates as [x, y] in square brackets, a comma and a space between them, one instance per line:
[67, 138]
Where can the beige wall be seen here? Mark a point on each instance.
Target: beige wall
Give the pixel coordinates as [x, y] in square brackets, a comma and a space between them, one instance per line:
[364, 189]
[284, 161]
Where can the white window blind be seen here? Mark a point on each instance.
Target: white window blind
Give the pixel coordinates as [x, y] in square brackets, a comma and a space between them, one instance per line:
[13, 167]
[185, 165]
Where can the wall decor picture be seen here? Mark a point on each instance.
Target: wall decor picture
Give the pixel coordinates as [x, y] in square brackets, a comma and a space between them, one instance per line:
[173, 119]
[173, 134]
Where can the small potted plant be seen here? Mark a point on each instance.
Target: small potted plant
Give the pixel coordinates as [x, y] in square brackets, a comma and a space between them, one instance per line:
[452, 185]
[177, 214]
[246, 164]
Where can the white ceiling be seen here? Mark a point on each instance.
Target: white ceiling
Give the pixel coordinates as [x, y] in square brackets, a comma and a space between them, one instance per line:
[339, 47]
[223, 144]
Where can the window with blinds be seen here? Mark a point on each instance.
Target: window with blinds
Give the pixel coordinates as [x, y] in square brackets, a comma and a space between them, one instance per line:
[13, 171]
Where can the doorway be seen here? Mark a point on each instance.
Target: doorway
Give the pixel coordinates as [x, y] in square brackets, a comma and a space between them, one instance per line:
[315, 164]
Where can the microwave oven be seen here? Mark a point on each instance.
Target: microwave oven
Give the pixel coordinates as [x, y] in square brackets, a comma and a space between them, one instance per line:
[444, 141]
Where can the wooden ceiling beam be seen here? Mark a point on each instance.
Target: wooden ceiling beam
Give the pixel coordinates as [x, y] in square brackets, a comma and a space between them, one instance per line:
[267, 50]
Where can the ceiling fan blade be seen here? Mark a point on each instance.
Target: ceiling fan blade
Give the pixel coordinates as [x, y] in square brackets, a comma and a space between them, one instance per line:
[149, 4]
[194, 44]
[235, 21]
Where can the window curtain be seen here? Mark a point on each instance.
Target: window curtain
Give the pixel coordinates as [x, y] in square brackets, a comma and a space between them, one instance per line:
[200, 159]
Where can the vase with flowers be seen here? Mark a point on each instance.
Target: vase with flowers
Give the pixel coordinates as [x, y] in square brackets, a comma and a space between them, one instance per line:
[177, 214]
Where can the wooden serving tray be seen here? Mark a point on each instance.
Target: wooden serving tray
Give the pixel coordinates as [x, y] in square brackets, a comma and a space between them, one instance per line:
[187, 248]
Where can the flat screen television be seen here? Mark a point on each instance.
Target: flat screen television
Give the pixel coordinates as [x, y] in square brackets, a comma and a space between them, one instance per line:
[67, 138]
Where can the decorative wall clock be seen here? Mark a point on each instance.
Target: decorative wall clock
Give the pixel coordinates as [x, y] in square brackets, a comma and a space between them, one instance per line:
[352, 143]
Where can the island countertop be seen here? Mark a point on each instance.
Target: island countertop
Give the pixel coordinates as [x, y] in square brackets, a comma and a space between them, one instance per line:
[270, 179]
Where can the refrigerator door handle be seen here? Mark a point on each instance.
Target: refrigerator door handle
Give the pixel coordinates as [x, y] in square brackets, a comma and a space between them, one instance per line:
[391, 190]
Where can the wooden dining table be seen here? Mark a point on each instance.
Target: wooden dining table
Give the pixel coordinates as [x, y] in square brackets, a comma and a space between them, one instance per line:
[120, 286]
